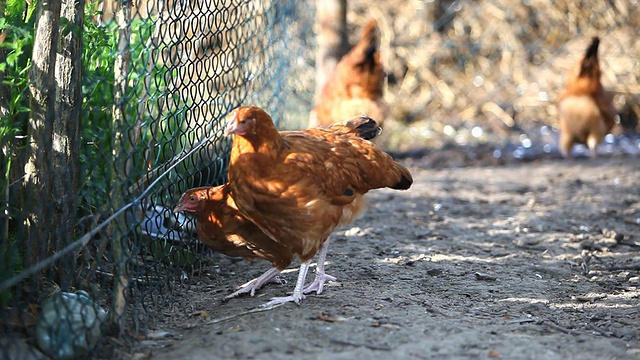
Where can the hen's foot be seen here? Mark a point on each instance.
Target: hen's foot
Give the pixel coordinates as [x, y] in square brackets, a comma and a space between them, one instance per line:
[297, 295]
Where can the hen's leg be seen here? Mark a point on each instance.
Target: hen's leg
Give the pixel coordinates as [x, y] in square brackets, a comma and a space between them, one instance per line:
[318, 283]
[297, 295]
[592, 144]
[255, 284]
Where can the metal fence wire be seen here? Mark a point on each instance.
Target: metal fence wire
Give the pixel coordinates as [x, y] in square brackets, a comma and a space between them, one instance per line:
[159, 79]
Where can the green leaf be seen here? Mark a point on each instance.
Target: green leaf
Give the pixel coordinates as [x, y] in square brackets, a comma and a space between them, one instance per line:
[68, 27]
[12, 58]
[15, 9]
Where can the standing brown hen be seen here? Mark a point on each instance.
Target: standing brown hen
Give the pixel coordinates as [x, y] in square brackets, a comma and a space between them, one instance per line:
[298, 187]
[356, 85]
[224, 229]
[585, 109]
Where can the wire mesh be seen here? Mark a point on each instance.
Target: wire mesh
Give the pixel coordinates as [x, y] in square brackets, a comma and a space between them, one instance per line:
[159, 78]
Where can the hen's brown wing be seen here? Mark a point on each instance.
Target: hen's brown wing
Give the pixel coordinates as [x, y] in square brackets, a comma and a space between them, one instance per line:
[302, 195]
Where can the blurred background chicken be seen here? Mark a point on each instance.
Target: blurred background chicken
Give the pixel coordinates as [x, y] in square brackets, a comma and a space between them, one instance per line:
[586, 111]
[356, 85]
[299, 186]
[224, 229]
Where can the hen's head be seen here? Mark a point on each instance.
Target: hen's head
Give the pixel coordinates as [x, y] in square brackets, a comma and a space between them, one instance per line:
[193, 199]
[249, 120]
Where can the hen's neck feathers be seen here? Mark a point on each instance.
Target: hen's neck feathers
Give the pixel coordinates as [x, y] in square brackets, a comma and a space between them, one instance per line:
[265, 140]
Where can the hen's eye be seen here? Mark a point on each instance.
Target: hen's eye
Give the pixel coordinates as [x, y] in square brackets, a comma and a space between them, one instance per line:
[192, 198]
[243, 121]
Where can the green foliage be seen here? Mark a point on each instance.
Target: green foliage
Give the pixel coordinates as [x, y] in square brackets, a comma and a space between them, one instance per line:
[10, 264]
[98, 58]
[152, 136]
[17, 24]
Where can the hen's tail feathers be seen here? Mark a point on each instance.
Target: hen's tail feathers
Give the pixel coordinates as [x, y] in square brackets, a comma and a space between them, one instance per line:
[369, 42]
[590, 67]
[364, 127]
[405, 180]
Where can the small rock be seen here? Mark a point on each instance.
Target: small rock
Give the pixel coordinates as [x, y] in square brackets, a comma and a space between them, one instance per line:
[434, 272]
[623, 275]
[634, 280]
[586, 244]
[353, 231]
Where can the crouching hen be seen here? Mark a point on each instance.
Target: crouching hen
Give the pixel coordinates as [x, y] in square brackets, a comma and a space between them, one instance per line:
[224, 229]
[585, 109]
[299, 186]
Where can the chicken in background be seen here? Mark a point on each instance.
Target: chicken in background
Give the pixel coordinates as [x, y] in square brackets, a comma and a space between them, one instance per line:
[299, 186]
[586, 111]
[356, 85]
[224, 229]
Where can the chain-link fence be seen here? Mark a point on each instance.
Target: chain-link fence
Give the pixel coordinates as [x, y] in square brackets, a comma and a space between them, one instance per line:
[159, 77]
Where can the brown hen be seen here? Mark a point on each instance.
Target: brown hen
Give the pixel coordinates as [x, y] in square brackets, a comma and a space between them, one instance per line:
[224, 229]
[356, 85]
[299, 186]
[585, 109]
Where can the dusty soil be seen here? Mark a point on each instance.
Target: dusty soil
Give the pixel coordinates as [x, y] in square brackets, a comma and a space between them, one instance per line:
[519, 261]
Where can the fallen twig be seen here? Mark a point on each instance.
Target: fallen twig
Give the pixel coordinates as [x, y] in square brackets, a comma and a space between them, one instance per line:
[589, 299]
[552, 324]
[256, 310]
[520, 321]
[485, 277]
[368, 346]
[600, 331]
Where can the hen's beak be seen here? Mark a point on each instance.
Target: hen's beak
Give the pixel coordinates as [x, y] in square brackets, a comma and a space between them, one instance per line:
[178, 208]
[230, 128]
[231, 125]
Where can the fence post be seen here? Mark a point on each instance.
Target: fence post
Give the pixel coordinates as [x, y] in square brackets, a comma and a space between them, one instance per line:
[119, 157]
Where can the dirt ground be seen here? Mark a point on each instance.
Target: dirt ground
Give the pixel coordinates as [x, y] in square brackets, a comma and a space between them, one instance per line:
[521, 261]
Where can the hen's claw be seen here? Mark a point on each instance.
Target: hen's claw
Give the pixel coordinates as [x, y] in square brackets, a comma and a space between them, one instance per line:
[251, 286]
[318, 283]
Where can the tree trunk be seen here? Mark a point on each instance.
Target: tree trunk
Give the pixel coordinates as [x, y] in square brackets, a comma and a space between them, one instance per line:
[332, 38]
[66, 129]
[42, 88]
[51, 170]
